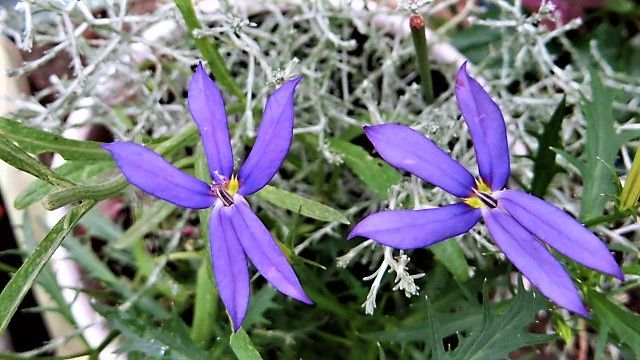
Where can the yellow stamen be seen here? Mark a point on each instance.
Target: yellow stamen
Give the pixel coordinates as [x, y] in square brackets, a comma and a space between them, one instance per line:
[474, 202]
[481, 189]
[232, 187]
[482, 186]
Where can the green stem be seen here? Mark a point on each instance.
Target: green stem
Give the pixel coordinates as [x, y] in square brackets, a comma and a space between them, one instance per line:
[18, 158]
[209, 50]
[416, 23]
[607, 218]
[78, 193]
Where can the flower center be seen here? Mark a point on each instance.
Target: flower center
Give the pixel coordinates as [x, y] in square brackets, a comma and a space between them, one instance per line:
[482, 196]
[224, 189]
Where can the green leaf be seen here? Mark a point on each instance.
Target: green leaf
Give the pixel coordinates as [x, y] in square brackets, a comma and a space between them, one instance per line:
[435, 338]
[19, 159]
[205, 304]
[622, 322]
[168, 340]
[499, 335]
[149, 221]
[243, 347]
[601, 149]
[294, 202]
[631, 190]
[544, 162]
[75, 171]
[37, 141]
[372, 171]
[450, 254]
[23, 279]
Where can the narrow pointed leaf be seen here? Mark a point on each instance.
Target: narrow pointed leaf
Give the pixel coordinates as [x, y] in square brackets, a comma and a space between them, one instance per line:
[296, 203]
[36, 141]
[372, 171]
[450, 254]
[23, 279]
[623, 323]
[544, 162]
[243, 347]
[601, 149]
[631, 190]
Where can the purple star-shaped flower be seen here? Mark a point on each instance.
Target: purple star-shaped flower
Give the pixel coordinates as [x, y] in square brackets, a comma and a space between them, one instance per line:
[234, 230]
[522, 225]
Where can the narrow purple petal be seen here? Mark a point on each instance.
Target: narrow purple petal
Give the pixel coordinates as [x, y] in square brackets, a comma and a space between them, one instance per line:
[263, 251]
[207, 110]
[534, 260]
[410, 229]
[273, 140]
[229, 265]
[560, 231]
[153, 174]
[409, 150]
[487, 128]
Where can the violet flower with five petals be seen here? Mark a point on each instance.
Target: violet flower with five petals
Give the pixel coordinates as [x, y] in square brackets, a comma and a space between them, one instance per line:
[522, 225]
[235, 232]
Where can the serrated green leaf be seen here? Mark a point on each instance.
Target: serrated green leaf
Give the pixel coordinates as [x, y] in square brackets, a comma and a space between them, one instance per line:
[450, 254]
[498, 335]
[601, 149]
[624, 324]
[169, 341]
[372, 171]
[23, 279]
[243, 347]
[435, 338]
[544, 162]
[307, 207]
[37, 141]
[75, 171]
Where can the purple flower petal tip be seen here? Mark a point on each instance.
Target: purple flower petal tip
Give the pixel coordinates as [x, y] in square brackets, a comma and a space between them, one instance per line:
[273, 140]
[264, 253]
[409, 150]
[147, 170]
[561, 231]
[206, 106]
[487, 128]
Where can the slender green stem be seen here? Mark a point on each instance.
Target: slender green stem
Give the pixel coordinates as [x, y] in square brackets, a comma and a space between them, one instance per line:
[416, 23]
[209, 50]
[78, 193]
[608, 218]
